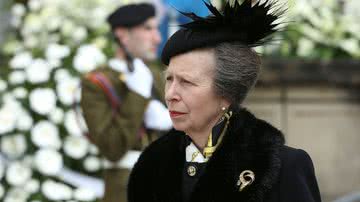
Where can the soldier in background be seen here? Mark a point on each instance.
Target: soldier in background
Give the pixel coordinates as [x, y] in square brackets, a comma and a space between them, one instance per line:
[123, 102]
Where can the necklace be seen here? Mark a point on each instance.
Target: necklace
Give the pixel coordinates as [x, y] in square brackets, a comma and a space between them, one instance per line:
[194, 155]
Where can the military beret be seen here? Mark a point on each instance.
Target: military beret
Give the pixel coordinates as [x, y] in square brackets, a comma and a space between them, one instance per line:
[131, 15]
[247, 23]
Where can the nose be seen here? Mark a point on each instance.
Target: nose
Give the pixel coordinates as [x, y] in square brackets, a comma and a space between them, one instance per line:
[171, 92]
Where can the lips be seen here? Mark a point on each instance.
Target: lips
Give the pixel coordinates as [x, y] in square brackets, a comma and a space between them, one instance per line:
[174, 114]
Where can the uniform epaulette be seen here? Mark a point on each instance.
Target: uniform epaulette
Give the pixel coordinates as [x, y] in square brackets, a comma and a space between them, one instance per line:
[105, 84]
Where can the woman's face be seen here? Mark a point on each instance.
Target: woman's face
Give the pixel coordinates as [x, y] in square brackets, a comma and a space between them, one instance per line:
[193, 105]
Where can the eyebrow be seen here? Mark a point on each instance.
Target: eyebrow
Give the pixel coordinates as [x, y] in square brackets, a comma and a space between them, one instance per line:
[181, 75]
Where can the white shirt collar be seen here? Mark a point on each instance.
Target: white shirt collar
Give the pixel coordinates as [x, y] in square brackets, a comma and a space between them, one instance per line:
[191, 150]
[118, 65]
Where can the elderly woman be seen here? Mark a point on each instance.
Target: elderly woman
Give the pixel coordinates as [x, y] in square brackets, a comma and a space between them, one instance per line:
[218, 151]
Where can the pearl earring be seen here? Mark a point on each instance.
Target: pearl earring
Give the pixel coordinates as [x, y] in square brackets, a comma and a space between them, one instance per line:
[223, 108]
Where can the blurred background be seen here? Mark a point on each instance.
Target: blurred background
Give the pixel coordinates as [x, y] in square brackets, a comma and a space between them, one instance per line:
[309, 88]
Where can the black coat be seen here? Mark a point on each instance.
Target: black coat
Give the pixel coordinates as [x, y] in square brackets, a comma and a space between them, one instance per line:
[282, 174]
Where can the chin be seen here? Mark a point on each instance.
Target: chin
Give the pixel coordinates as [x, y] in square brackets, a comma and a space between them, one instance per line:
[150, 56]
[179, 127]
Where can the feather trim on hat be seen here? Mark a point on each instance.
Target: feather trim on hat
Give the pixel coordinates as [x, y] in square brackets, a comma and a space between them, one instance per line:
[249, 23]
[251, 20]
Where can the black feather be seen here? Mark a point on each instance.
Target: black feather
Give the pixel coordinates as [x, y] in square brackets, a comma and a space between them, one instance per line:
[251, 24]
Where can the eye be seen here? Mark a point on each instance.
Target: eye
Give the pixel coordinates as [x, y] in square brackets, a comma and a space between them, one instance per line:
[148, 27]
[168, 78]
[185, 81]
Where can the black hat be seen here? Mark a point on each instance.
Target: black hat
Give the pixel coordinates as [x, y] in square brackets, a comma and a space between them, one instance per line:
[247, 23]
[131, 15]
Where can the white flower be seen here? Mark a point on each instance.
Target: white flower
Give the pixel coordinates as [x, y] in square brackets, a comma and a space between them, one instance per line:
[92, 164]
[2, 191]
[63, 192]
[87, 58]
[76, 146]
[54, 19]
[328, 19]
[24, 121]
[46, 135]
[31, 41]
[8, 121]
[352, 8]
[13, 146]
[99, 14]
[313, 33]
[54, 63]
[351, 46]
[17, 174]
[34, 5]
[48, 162]
[66, 89]
[33, 23]
[10, 101]
[18, 10]
[57, 51]
[12, 46]
[8, 116]
[79, 34]
[20, 93]
[17, 77]
[32, 186]
[21, 60]
[305, 47]
[61, 74]
[71, 123]
[42, 100]
[353, 27]
[3, 85]
[67, 27]
[100, 42]
[16, 195]
[93, 150]
[57, 115]
[83, 194]
[49, 11]
[38, 72]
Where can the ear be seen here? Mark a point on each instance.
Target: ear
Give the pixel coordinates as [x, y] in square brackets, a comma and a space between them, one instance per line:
[122, 34]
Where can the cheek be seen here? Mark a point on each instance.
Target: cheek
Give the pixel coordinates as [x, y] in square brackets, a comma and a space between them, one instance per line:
[197, 102]
[144, 39]
[206, 102]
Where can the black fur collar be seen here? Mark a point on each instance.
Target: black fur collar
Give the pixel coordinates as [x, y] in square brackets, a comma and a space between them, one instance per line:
[249, 144]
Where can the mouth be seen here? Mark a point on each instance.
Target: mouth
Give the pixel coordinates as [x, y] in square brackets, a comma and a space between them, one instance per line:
[154, 49]
[174, 114]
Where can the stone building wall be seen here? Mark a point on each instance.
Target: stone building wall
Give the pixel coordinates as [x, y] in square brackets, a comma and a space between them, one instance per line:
[324, 121]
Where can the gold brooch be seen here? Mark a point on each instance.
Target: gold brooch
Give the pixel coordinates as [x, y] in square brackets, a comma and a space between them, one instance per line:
[247, 177]
[191, 171]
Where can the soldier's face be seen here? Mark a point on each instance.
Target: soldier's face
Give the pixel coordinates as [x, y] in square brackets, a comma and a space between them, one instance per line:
[192, 102]
[143, 40]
